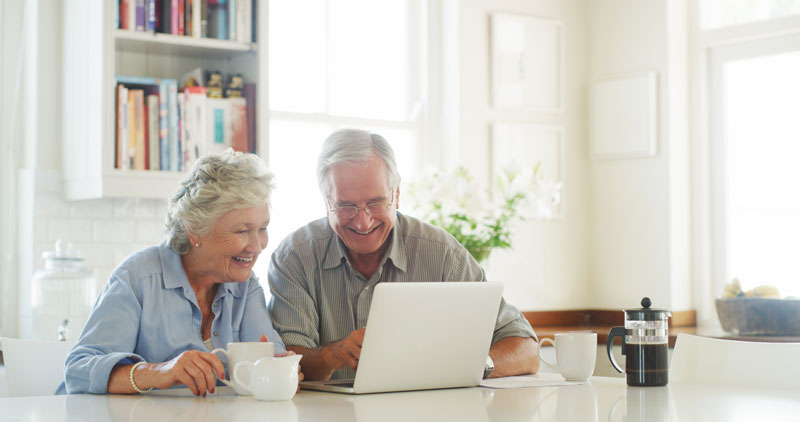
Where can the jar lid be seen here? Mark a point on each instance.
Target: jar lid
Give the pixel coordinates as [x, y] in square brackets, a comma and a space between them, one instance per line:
[64, 251]
[645, 313]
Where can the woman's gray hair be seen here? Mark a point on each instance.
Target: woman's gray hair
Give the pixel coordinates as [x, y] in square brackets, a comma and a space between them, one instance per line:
[353, 146]
[215, 185]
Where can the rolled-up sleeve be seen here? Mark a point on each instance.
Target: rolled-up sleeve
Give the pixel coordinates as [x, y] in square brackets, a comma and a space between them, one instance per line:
[292, 309]
[108, 339]
[256, 320]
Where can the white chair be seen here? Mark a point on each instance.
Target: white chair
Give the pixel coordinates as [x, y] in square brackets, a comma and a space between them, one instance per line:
[711, 361]
[34, 367]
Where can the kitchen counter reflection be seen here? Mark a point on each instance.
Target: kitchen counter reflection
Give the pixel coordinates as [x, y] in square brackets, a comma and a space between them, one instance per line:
[601, 399]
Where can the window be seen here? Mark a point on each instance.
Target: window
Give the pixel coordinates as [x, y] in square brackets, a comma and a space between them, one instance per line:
[720, 13]
[755, 144]
[354, 63]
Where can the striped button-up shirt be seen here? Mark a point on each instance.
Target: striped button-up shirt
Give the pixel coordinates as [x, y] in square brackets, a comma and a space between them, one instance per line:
[319, 298]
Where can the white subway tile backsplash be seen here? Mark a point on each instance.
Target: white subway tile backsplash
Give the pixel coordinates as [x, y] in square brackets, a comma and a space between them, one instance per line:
[97, 208]
[50, 206]
[134, 208]
[96, 254]
[68, 229]
[149, 231]
[113, 231]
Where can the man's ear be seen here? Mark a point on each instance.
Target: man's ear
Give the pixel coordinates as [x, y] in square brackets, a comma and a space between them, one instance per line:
[397, 198]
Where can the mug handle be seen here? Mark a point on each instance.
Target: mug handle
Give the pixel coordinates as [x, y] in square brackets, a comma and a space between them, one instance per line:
[236, 369]
[228, 356]
[539, 352]
[615, 332]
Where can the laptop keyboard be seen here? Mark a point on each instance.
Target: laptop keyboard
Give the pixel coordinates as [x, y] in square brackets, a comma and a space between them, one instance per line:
[341, 383]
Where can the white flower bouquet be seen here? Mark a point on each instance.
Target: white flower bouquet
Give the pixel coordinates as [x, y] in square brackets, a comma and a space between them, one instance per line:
[480, 220]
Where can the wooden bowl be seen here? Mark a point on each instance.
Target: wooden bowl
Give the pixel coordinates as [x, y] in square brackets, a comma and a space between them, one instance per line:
[760, 316]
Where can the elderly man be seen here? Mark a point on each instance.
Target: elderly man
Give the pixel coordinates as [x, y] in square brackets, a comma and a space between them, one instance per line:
[322, 275]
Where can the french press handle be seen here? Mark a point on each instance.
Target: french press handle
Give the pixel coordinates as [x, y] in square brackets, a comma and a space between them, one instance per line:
[615, 332]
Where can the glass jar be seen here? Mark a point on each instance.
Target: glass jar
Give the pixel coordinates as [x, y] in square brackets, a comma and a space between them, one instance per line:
[61, 294]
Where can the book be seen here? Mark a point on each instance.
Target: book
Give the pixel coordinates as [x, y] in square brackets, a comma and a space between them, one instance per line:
[196, 127]
[174, 17]
[249, 94]
[197, 10]
[122, 127]
[138, 143]
[163, 124]
[181, 17]
[182, 131]
[238, 127]
[153, 136]
[165, 17]
[131, 144]
[174, 140]
[218, 125]
[132, 14]
[151, 15]
[140, 15]
[232, 20]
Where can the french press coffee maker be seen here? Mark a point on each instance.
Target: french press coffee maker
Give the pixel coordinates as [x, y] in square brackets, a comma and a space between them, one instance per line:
[644, 344]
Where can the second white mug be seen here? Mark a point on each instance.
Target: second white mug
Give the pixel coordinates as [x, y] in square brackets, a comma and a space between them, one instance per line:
[575, 354]
[250, 351]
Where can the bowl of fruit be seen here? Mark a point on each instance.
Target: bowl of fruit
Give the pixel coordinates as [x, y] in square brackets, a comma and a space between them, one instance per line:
[759, 311]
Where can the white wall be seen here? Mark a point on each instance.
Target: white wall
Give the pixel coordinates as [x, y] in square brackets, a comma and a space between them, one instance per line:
[548, 266]
[639, 215]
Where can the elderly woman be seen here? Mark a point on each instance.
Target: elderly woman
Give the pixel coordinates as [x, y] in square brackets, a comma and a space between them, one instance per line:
[165, 307]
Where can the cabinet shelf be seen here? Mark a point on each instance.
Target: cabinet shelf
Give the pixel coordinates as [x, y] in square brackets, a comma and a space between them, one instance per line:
[95, 53]
[158, 43]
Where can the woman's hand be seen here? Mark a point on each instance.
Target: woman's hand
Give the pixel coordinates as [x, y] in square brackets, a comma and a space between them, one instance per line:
[193, 368]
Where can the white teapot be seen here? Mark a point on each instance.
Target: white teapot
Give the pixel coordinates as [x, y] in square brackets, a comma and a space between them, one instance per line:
[270, 378]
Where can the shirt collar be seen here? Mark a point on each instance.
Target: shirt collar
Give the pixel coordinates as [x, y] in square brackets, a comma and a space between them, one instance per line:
[175, 276]
[395, 252]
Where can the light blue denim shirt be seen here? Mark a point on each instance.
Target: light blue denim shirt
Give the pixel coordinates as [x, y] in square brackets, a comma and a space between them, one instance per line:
[148, 312]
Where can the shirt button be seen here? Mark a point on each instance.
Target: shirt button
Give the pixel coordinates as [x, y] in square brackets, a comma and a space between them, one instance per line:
[216, 303]
[216, 333]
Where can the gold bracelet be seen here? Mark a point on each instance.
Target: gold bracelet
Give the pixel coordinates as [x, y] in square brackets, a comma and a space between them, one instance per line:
[133, 384]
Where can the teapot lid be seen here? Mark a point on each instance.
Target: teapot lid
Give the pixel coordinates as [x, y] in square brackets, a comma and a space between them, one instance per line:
[645, 313]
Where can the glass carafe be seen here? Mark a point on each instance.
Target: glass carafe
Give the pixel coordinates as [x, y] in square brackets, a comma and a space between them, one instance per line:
[645, 344]
[61, 294]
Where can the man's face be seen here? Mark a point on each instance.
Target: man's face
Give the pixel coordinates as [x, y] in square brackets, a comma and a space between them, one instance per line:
[360, 184]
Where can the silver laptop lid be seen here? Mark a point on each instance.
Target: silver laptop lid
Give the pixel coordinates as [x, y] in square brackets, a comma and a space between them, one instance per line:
[427, 335]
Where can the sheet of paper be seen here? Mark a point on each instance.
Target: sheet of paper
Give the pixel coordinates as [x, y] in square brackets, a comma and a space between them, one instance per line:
[522, 381]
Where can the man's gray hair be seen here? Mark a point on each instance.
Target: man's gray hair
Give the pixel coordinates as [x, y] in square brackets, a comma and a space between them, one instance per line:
[353, 146]
[215, 185]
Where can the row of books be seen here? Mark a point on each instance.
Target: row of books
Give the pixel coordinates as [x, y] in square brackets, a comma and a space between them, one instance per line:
[221, 19]
[160, 128]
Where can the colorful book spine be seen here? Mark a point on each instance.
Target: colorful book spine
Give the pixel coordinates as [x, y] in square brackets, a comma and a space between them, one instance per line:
[174, 141]
[182, 131]
[164, 18]
[238, 128]
[138, 142]
[151, 15]
[141, 16]
[173, 17]
[197, 15]
[249, 93]
[154, 150]
[122, 127]
[195, 123]
[132, 14]
[181, 17]
[123, 14]
[232, 19]
[129, 163]
[163, 124]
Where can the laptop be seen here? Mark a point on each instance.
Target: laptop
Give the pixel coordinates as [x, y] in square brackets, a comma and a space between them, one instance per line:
[422, 336]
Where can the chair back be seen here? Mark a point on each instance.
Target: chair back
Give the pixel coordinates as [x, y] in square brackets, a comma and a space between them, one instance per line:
[712, 361]
[34, 367]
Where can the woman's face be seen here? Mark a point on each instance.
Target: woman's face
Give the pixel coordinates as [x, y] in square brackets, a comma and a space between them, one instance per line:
[229, 252]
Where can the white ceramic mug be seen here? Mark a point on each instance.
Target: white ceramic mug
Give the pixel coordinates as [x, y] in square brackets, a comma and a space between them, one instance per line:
[270, 378]
[244, 352]
[575, 354]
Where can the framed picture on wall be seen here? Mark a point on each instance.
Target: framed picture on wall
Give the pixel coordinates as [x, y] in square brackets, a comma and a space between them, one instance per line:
[527, 63]
[525, 146]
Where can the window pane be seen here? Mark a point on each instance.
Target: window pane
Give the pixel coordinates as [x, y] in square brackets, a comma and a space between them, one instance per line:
[297, 55]
[762, 129]
[293, 151]
[718, 13]
[369, 59]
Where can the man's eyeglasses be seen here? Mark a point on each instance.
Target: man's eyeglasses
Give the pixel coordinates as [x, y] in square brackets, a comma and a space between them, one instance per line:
[346, 212]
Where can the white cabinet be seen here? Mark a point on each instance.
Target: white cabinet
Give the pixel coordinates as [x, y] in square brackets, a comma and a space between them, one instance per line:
[94, 53]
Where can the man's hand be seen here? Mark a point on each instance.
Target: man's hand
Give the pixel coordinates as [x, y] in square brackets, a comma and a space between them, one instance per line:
[321, 362]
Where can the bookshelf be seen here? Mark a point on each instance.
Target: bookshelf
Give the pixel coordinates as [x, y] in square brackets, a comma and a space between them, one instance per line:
[95, 51]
